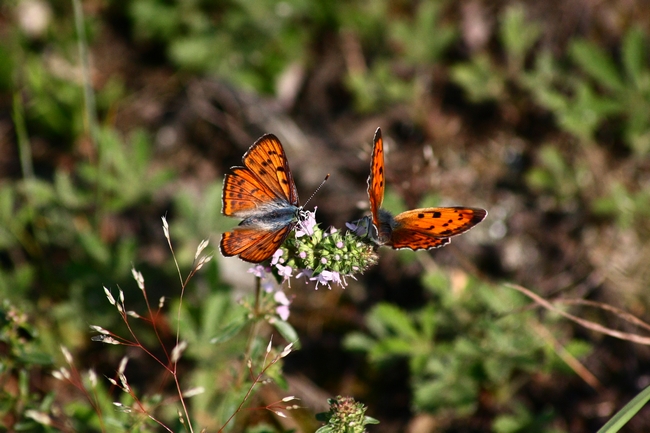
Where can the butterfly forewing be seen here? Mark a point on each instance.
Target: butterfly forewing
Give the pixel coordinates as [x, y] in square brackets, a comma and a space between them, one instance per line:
[267, 160]
[376, 179]
[243, 192]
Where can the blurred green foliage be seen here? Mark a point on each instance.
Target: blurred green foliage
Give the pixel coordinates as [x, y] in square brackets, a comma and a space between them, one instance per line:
[470, 338]
[248, 43]
[58, 248]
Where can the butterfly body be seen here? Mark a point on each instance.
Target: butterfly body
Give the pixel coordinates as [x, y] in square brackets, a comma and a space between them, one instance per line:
[263, 193]
[416, 229]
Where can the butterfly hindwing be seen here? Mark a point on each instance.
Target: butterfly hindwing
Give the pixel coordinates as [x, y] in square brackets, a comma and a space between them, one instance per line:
[253, 245]
[405, 238]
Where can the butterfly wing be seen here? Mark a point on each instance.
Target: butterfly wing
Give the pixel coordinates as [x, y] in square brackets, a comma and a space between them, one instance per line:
[432, 227]
[252, 244]
[404, 238]
[243, 193]
[266, 159]
[376, 180]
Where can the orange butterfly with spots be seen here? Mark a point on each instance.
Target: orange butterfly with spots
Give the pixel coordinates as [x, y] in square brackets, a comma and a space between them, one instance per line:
[263, 193]
[418, 229]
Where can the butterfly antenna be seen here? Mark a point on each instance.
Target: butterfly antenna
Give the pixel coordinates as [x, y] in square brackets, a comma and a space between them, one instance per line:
[317, 189]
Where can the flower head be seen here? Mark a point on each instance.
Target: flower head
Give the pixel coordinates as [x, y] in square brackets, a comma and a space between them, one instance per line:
[347, 415]
[323, 256]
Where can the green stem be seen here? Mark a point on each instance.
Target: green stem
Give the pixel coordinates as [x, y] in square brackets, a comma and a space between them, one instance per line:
[24, 147]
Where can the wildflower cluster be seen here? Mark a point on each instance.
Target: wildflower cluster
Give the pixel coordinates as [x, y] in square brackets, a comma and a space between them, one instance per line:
[345, 416]
[323, 256]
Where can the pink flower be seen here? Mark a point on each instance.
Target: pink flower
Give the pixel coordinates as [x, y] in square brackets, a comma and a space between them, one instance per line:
[267, 285]
[284, 271]
[305, 273]
[276, 256]
[306, 226]
[327, 277]
[282, 309]
[258, 270]
[283, 312]
[324, 278]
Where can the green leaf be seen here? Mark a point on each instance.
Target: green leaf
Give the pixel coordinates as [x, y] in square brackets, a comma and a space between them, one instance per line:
[93, 244]
[358, 341]
[386, 319]
[370, 420]
[288, 332]
[432, 36]
[629, 410]
[66, 192]
[391, 347]
[34, 358]
[480, 79]
[427, 320]
[229, 331]
[634, 54]
[38, 192]
[597, 64]
[517, 35]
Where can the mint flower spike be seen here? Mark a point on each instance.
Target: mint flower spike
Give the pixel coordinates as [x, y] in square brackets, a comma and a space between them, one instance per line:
[326, 257]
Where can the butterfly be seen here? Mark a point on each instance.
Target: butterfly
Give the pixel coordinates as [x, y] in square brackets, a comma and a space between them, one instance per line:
[263, 193]
[418, 229]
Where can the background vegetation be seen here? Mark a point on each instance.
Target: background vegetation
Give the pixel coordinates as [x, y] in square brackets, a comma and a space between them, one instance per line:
[113, 114]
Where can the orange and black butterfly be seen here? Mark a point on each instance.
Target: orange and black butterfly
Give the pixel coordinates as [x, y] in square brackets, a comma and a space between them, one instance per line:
[418, 229]
[263, 193]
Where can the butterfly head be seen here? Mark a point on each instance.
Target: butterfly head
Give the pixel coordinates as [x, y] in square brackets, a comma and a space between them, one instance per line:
[365, 229]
